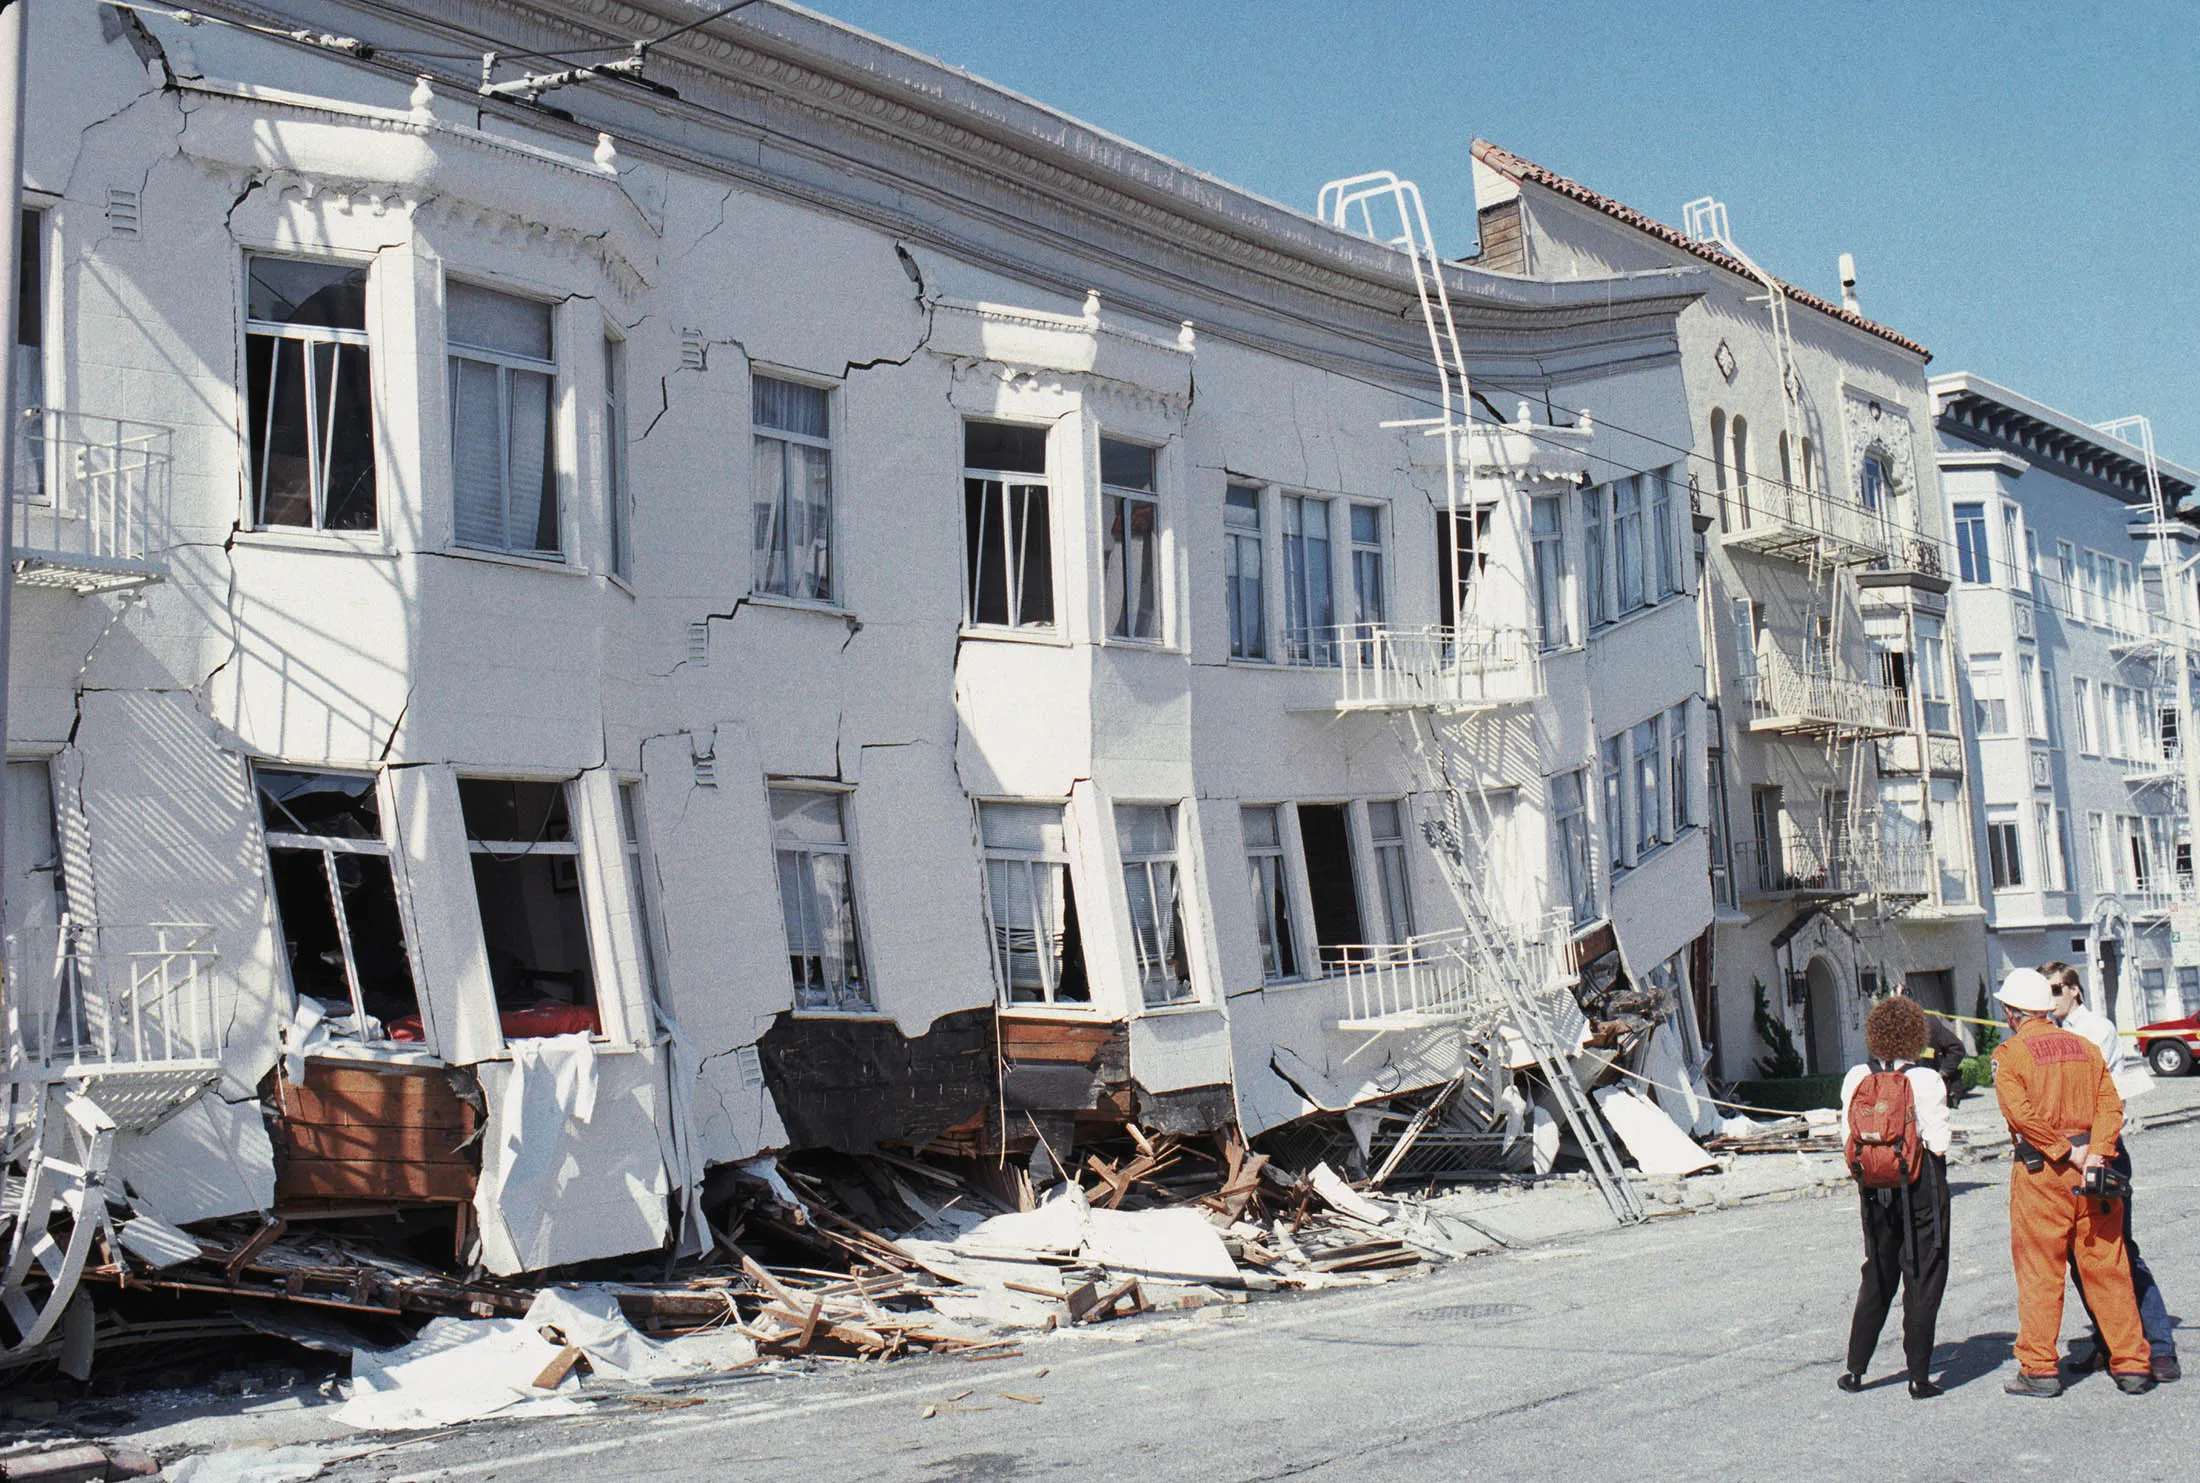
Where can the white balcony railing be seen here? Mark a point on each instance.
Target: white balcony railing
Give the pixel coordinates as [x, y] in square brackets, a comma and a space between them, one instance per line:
[1814, 699]
[90, 506]
[1799, 524]
[1443, 977]
[84, 995]
[1807, 859]
[1468, 668]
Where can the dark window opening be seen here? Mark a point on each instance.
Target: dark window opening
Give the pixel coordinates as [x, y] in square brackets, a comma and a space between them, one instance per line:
[1462, 555]
[533, 923]
[1007, 527]
[1326, 843]
[336, 902]
[309, 395]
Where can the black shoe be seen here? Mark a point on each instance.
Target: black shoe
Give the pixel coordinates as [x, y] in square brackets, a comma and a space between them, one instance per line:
[2165, 1369]
[1924, 1390]
[2039, 1385]
[2135, 1384]
[1850, 1383]
[2086, 1358]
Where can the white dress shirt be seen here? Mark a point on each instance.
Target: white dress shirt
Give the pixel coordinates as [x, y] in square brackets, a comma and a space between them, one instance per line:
[2131, 1078]
[1927, 1090]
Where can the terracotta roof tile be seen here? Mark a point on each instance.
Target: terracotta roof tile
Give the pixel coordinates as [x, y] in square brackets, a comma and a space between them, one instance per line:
[1509, 164]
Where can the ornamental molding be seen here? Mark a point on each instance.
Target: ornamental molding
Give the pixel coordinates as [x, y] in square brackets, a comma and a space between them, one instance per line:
[501, 192]
[1875, 424]
[1034, 350]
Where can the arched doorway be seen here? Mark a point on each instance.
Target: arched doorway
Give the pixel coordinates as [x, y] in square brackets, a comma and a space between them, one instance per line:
[1822, 1000]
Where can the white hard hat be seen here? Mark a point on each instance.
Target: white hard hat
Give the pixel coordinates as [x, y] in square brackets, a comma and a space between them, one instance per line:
[2027, 988]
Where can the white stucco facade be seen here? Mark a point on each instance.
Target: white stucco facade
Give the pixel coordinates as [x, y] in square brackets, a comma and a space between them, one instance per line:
[1843, 860]
[772, 763]
[2068, 622]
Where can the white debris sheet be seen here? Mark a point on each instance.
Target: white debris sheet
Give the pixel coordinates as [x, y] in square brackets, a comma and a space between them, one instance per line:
[256, 1465]
[1656, 1141]
[461, 1369]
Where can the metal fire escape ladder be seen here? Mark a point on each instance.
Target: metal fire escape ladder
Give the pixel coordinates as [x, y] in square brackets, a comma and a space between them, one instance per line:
[1495, 945]
[2178, 633]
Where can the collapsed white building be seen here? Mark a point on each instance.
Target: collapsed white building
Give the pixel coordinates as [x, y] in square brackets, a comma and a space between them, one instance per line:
[813, 603]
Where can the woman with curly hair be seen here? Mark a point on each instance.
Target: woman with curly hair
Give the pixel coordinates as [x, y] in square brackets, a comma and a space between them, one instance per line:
[1905, 1229]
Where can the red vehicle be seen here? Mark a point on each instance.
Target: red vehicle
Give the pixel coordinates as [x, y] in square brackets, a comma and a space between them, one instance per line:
[2171, 1046]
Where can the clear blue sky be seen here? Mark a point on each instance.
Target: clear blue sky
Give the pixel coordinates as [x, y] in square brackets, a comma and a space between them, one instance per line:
[2019, 182]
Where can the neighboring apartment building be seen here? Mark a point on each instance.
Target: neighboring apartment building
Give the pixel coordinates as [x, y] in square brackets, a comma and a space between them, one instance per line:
[1842, 858]
[2075, 605]
[882, 648]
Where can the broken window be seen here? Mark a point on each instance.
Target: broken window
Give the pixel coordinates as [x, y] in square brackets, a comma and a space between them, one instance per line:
[618, 496]
[1386, 828]
[638, 865]
[309, 394]
[1031, 908]
[1145, 833]
[1008, 531]
[817, 900]
[336, 901]
[1242, 564]
[1325, 841]
[1269, 868]
[1570, 837]
[504, 468]
[1131, 516]
[29, 354]
[1309, 605]
[792, 494]
[534, 927]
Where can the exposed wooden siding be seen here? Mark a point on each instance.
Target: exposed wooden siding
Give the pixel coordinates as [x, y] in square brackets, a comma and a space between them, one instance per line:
[1504, 250]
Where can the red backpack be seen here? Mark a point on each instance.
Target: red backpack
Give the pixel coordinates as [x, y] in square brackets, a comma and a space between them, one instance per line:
[1885, 1149]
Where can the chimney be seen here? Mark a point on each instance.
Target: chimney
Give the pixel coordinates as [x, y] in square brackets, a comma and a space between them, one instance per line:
[1848, 284]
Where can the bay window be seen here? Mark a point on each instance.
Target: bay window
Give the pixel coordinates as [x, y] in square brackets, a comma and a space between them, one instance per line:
[1008, 531]
[1031, 905]
[309, 395]
[503, 380]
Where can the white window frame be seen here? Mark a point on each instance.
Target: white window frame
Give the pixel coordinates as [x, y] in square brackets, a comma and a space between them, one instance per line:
[1989, 695]
[1575, 864]
[1392, 868]
[1629, 567]
[2066, 577]
[1974, 554]
[858, 993]
[2005, 852]
[1370, 565]
[1237, 541]
[2081, 692]
[607, 1013]
[330, 846]
[1040, 867]
[2035, 704]
[506, 364]
[1150, 962]
[1596, 557]
[787, 440]
[2051, 862]
[1665, 533]
[1306, 642]
[1112, 495]
[1275, 900]
[1012, 568]
[618, 485]
[1932, 675]
[640, 861]
[1554, 614]
[311, 336]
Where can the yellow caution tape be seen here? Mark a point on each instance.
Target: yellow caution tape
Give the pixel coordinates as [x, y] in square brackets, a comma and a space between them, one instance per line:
[1964, 1019]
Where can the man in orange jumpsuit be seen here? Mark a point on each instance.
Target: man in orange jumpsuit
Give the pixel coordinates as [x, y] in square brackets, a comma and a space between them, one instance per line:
[2065, 1115]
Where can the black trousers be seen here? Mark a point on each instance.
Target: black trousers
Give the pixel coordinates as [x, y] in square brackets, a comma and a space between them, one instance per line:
[1919, 1266]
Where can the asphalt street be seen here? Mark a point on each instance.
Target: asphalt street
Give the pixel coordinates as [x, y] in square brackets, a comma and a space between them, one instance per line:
[1703, 1346]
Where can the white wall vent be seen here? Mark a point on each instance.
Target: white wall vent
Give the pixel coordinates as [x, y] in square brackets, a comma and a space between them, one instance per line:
[693, 356]
[706, 770]
[122, 211]
[699, 642]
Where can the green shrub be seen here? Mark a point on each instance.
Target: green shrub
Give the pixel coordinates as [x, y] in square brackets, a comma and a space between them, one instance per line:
[1978, 1072]
[1785, 1062]
[1790, 1093]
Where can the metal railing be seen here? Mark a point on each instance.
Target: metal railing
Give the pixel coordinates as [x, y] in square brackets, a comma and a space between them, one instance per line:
[1450, 668]
[90, 506]
[1910, 554]
[1809, 859]
[1784, 695]
[1441, 976]
[1781, 520]
[82, 994]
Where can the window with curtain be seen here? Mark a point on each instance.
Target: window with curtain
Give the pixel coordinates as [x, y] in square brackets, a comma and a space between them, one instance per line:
[1131, 544]
[1309, 607]
[1386, 828]
[1243, 559]
[1664, 532]
[1570, 840]
[817, 900]
[1595, 566]
[791, 489]
[618, 498]
[1627, 547]
[1370, 582]
[504, 474]
[1546, 533]
[1268, 869]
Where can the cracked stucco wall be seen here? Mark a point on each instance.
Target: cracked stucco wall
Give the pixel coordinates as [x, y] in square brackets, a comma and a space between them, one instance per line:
[401, 651]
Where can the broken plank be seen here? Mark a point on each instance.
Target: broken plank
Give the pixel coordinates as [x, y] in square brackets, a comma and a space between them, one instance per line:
[554, 1373]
